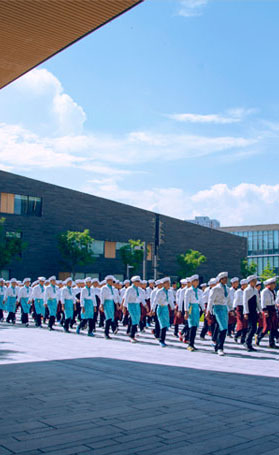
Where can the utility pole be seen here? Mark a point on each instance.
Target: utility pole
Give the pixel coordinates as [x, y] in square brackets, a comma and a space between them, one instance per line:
[144, 261]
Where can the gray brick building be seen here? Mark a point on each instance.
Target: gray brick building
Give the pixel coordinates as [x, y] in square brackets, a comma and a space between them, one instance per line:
[40, 211]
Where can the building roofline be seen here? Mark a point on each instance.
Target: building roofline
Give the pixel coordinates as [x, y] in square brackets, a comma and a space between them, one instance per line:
[254, 227]
[109, 200]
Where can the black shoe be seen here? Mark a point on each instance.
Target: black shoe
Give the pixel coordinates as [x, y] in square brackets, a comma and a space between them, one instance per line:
[251, 349]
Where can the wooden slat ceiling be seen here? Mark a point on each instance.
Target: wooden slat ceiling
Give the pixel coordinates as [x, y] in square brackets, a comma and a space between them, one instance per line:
[32, 31]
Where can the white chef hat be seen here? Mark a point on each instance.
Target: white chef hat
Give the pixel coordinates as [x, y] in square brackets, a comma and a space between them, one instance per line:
[41, 278]
[135, 278]
[184, 281]
[203, 285]
[251, 278]
[2, 279]
[88, 280]
[95, 280]
[68, 280]
[151, 281]
[212, 281]
[126, 281]
[144, 282]
[270, 281]
[234, 279]
[244, 281]
[109, 277]
[25, 280]
[13, 280]
[53, 277]
[188, 279]
[222, 275]
[158, 282]
[194, 277]
[165, 280]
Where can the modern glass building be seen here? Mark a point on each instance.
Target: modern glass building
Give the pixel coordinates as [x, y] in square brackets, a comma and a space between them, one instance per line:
[263, 244]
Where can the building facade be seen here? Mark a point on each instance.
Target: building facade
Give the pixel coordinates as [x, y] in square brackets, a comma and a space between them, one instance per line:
[39, 212]
[205, 221]
[263, 244]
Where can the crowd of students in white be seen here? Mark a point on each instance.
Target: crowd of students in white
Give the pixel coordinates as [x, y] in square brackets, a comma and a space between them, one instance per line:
[243, 311]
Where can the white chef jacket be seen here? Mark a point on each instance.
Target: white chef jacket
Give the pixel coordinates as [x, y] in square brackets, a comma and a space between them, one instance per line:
[248, 293]
[85, 295]
[267, 298]
[190, 297]
[163, 299]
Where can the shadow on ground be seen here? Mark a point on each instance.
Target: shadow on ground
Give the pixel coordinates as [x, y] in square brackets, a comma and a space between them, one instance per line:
[105, 406]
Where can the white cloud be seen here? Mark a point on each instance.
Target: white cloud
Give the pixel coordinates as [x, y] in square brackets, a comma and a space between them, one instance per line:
[190, 8]
[242, 204]
[230, 116]
[40, 83]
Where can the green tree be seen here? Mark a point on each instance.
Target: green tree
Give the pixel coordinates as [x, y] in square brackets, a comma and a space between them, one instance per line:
[132, 254]
[76, 249]
[190, 262]
[247, 269]
[11, 245]
[267, 272]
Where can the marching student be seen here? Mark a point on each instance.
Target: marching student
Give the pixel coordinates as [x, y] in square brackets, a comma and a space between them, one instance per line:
[2, 295]
[132, 301]
[208, 322]
[51, 300]
[107, 304]
[178, 316]
[38, 297]
[125, 320]
[88, 306]
[184, 333]
[251, 309]
[164, 299]
[11, 296]
[192, 304]
[232, 317]
[218, 306]
[156, 331]
[143, 305]
[97, 290]
[68, 300]
[149, 289]
[25, 299]
[268, 305]
[241, 322]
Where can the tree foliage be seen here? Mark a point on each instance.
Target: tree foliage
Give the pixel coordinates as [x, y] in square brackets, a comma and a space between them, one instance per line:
[11, 246]
[132, 254]
[247, 269]
[76, 249]
[267, 272]
[190, 262]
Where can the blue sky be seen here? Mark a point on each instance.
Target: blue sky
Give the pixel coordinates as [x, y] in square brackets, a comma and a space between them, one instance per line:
[172, 107]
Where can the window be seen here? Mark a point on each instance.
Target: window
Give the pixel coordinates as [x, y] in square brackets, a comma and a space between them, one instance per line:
[5, 274]
[121, 244]
[110, 250]
[14, 235]
[20, 205]
[97, 247]
[149, 252]
[276, 242]
[7, 203]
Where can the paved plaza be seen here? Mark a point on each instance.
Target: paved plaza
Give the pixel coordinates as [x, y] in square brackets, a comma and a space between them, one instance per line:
[64, 394]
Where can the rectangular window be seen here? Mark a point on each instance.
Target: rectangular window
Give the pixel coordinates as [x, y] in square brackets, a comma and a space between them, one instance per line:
[5, 274]
[20, 205]
[98, 247]
[7, 203]
[149, 252]
[63, 275]
[14, 235]
[276, 242]
[121, 244]
[110, 250]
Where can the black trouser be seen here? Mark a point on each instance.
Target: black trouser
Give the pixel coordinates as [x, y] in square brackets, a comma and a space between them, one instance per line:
[215, 331]
[1, 314]
[220, 340]
[231, 328]
[205, 328]
[95, 317]
[11, 317]
[157, 327]
[102, 319]
[108, 324]
[241, 333]
[38, 320]
[252, 328]
[125, 320]
[133, 331]
[142, 324]
[176, 327]
[185, 330]
[67, 324]
[193, 331]
[83, 323]
[24, 317]
[163, 334]
[51, 321]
